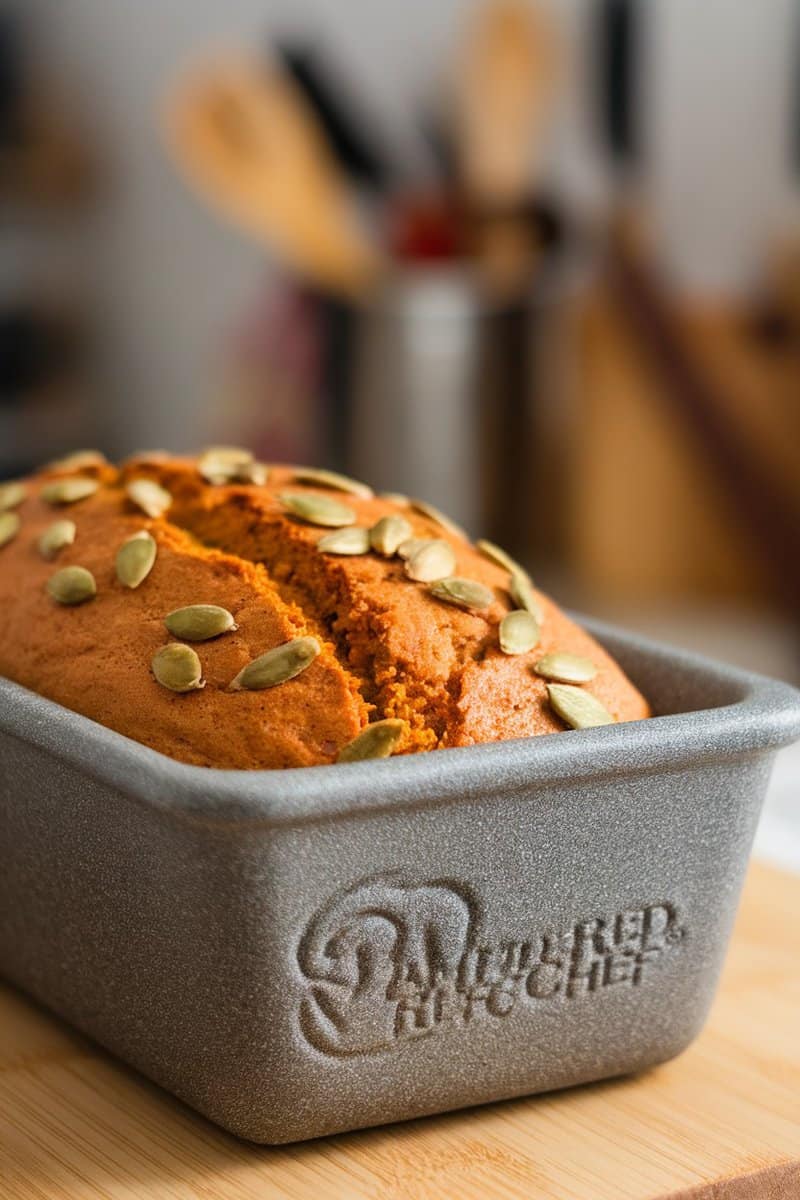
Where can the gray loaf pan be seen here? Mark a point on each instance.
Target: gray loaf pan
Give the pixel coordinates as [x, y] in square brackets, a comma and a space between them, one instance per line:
[300, 952]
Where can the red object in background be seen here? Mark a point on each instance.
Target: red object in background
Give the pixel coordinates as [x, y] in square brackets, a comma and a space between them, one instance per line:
[424, 227]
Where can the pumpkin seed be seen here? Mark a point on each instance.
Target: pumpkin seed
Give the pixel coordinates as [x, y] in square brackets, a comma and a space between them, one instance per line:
[497, 555]
[395, 498]
[523, 595]
[353, 539]
[9, 527]
[332, 479]
[11, 495]
[56, 537]
[519, 632]
[69, 491]
[235, 456]
[199, 622]
[465, 593]
[407, 548]
[227, 464]
[435, 514]
[378, 740]
[317, 510]
[431, 560]
[72, 585]
[388, 533]
[256, 473]
[149, 496]
[178, 668]
[579, 708]
[216, 472]
[566, 668]
[135, 559]
[277, 665]
[78, 460]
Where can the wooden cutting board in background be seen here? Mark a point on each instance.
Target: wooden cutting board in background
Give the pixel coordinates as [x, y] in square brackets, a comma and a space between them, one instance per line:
[721, 1122]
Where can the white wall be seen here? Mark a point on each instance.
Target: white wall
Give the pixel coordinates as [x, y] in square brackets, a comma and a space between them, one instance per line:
[169, 277]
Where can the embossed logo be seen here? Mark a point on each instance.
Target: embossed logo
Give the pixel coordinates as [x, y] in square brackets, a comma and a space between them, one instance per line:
[388, 960]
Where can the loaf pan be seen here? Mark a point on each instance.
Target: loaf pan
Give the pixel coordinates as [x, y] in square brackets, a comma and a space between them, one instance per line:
[300, 952]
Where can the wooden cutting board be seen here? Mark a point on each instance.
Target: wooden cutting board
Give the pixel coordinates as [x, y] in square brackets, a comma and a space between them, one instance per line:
[76, 1125]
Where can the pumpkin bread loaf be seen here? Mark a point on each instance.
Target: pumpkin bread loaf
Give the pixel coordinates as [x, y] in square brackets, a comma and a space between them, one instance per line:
[307, 620]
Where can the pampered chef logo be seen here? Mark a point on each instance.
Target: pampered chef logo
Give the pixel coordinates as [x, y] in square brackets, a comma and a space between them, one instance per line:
[388, 960]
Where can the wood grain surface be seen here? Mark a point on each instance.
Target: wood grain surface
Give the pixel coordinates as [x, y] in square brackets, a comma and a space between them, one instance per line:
[722, 1122]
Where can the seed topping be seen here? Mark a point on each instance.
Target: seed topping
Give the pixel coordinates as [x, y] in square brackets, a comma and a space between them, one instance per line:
[69, 491]
[432, 560]
[464, 593]
[352, 539]
[379, 740]
[579, 708]
[435, 514]
[178, 668]
[149, 496]
[135, 559]
[72, 585]
[566, 668]
[523, 595]
[199, 622]
[317, 510]
[277, 665]
[388, 534]
[56, 537]
[11, 495]
[519, 632]
[332, 479]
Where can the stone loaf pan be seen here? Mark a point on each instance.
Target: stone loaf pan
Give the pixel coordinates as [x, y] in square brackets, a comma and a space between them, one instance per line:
[296, 953]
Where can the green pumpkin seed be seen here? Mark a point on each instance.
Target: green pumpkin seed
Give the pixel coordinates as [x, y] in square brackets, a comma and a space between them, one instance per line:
[566, 668]
[236, 456]
[227, 464]
[519, 632]
[277, 665]
[579, 708]
[332, 479]
[395, 498]
[431, 560]
[353, 539]
[465, 593]
[523, 595]
[317, 510]
[149, 496]
[78, 460]
[498, 556]
[9, 527]
[199, 622]
[379, 740]
[135, 559]
[178, 668]
[387, 534]
[11, 495]
[69, 491]
[72, 585]
[409, 546]
[56, 537]
[440, 518]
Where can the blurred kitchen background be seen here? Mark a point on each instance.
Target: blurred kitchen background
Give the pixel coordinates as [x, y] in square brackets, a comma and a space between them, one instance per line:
[536, 262]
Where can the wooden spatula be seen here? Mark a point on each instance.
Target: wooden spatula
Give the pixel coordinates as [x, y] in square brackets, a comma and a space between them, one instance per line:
[243, 135]
[503, 87]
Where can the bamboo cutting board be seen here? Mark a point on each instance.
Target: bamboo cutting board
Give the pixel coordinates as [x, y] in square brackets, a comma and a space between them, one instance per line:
[76, 1125]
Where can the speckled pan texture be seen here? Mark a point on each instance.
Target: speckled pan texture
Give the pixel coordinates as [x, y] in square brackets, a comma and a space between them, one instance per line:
[296, 953]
